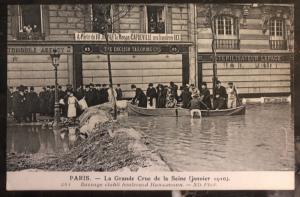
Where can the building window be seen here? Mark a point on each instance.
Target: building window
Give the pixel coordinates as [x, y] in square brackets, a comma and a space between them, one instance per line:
[156, 19]
[30, 22]
[101, 12]
[277, 37]
[226, 30]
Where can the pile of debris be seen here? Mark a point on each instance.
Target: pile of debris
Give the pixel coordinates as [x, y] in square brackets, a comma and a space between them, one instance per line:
[99, 152]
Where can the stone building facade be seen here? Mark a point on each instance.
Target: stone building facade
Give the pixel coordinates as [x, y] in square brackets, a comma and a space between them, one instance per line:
[152, 43]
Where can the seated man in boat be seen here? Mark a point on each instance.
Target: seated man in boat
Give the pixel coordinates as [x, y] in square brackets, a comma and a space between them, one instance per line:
[205, 96]
[194, 105]
[220, 97]
[139, 97]
[232, 95]
[172, 102]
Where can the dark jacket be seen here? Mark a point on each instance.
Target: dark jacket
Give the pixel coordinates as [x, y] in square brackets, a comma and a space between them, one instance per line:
[140, 97]
[43, 102]
[90, 97]
[79, 93]
[186, 96]
[161, 98]
[33, 102]
[221, 92]
[151, 92]
[220, 98]
[205, 97]
[119, 93]
[18, 104]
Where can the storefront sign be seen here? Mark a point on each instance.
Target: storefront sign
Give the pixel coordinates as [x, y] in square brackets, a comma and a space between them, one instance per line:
[16, 50]
[137, 37]
[131, 49]
[266, 57]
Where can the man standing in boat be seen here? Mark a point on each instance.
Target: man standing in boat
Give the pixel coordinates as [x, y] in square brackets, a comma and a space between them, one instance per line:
[139, 96]
[205, 96]
[220, 97]
[151, 93]
[232, 95]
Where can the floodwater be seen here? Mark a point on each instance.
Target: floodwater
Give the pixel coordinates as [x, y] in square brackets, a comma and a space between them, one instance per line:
[261, 140]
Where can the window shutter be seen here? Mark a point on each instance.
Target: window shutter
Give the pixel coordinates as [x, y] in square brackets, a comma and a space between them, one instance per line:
[142, 19]
[235, 26]
[45, 19]
[14, 20]
[169, 19]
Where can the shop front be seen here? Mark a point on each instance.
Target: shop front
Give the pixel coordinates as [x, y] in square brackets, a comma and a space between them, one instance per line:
[254, 74]
[31, 65]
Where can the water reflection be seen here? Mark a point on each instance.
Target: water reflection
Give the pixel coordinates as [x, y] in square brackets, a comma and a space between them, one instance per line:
[39, 139]
[260, 140]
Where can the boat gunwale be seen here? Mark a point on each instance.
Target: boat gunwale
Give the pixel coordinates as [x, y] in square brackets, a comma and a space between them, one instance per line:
[221, 110]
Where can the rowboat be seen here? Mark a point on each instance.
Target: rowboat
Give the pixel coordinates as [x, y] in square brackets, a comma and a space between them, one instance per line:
[179, 112]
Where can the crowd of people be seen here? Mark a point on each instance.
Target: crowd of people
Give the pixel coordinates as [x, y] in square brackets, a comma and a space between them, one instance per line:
[189, 96]
[24, 103]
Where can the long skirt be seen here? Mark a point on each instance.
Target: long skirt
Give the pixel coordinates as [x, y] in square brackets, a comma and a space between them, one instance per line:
[71, 110]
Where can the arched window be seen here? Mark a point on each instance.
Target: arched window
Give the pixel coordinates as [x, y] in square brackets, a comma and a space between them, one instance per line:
[277, 34]
[226, 30]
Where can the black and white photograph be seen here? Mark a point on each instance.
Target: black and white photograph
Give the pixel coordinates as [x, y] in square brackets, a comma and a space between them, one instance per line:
[157, 87]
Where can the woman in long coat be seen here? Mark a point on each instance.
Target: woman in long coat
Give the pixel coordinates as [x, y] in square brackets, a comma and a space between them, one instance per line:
[72, 106]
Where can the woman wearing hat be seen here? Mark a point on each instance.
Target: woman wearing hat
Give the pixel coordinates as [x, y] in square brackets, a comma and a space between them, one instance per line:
[72, 105]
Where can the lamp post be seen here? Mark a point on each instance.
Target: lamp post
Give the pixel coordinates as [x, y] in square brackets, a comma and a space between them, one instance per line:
[55, 62]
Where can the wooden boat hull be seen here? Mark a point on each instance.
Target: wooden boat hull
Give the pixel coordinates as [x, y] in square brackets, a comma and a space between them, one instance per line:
[179, 112]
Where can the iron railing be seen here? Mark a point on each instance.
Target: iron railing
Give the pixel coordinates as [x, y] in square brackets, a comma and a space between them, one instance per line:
[278, 44]
[228, 44]
[31, 36]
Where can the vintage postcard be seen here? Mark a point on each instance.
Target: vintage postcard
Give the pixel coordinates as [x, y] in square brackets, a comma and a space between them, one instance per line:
[186, 96]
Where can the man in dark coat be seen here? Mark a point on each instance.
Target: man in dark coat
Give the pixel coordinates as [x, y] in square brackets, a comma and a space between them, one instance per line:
[173, 89]
[161, 96]
[33, 103]
[43, 102]
[139, 96]
[9, 100]
[97, 94]
[205, 97]
[89, 95]
[47, 100]
[186, 96]
[19, 104]
[26, 113]
[151, 93]
[79, 93]
[119, 92]
[51, 101]
[104, 93]
[220, 97]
